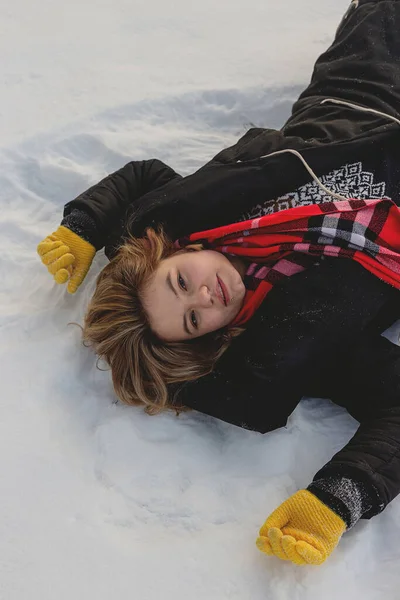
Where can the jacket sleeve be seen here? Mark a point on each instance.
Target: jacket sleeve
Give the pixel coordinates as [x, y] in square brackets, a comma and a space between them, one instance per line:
[371, 393]
[234, 393]
[106, 202]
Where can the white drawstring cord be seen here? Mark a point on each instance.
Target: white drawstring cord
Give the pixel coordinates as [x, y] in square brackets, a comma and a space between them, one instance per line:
[309, 169]
[305, 163]
[362, 109]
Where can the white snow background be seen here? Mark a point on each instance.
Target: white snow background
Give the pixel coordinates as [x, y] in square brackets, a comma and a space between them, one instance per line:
[98, 500]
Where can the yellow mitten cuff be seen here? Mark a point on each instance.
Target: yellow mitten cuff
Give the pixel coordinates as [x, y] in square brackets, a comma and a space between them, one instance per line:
[302, 529]
[66, 256]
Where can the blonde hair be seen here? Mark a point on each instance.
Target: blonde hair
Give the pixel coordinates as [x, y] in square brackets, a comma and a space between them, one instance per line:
[144, 368]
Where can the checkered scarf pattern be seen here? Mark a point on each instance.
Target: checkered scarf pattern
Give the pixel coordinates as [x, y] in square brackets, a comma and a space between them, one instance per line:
[282, 244]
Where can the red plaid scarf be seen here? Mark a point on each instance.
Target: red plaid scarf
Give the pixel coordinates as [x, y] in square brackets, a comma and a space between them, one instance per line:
[281, 244]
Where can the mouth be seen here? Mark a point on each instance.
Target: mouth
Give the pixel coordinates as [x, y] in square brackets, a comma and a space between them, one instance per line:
[222, 292]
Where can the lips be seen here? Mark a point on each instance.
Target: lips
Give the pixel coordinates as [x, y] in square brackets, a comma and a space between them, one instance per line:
[222, 291]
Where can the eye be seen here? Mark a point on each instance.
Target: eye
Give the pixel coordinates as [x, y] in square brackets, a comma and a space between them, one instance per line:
[181, 282]
[193, 319]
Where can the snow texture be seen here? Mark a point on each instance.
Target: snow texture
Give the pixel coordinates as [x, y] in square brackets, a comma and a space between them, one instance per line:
[98, 500]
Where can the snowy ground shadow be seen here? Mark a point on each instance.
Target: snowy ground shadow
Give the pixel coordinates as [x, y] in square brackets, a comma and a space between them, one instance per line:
[184, 131]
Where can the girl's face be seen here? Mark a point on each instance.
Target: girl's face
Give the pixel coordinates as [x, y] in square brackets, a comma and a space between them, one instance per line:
[193, 293]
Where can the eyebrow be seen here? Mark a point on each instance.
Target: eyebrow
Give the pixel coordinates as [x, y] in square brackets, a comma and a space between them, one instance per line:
[185, 325]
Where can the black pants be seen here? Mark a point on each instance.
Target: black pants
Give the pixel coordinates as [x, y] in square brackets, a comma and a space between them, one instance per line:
[361, 66]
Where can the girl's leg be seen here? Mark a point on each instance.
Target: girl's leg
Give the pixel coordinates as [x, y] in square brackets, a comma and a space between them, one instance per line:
[361, 66]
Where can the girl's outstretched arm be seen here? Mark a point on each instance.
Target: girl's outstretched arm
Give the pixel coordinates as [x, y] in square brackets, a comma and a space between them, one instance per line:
[363, 477]
[370, 390]
[90, 219]
[106, 202]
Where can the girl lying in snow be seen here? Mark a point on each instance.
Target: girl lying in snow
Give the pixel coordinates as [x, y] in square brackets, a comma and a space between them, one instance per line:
[267, 282]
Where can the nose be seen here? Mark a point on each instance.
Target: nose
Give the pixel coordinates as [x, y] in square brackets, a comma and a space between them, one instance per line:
[204, 298]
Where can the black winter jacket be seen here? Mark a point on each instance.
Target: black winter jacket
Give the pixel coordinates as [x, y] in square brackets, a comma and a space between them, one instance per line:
[318, 333]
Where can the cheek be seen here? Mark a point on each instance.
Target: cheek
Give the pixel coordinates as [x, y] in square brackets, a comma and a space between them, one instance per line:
[207, 261]
[217, 320]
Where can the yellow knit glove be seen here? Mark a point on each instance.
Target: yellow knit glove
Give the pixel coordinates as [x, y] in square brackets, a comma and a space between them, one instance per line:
[302, 529]
[67, 256]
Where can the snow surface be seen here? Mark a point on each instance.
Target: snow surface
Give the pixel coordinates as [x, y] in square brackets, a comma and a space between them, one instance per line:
[98, 500]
